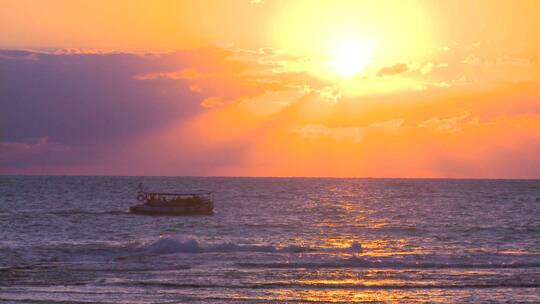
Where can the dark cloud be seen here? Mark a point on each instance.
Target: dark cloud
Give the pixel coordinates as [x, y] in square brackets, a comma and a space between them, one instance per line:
[393, 70]
[88, 98]
[68, 108]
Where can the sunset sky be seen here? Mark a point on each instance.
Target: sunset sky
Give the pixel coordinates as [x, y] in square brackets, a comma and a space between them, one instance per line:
[270, 88]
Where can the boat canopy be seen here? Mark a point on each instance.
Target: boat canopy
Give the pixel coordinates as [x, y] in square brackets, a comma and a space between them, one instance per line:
[175, 194]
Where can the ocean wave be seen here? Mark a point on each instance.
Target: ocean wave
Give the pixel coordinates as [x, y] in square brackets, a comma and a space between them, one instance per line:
[107, 251]
[360, 262]
[321, 285]
[86, 212]
[65, 212]
[169, 245]
[286, 256]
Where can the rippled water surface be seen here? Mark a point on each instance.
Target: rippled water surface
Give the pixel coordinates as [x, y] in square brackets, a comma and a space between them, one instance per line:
[71, 240]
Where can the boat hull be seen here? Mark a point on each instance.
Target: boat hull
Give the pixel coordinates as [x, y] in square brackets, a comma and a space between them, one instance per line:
[148, 209]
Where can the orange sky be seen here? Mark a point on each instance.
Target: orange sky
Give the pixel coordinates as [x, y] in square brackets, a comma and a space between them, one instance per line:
[315, 88]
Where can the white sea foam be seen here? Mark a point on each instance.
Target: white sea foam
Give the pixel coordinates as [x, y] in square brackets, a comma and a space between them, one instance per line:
[179, 244]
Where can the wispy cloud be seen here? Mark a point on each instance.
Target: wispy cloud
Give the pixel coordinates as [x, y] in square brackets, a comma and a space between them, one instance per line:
[393, 70]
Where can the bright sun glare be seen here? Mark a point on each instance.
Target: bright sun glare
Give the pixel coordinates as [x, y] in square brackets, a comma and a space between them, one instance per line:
[350, 58]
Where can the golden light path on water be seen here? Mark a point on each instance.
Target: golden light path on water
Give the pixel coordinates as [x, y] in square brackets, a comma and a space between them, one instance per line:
[344, 295]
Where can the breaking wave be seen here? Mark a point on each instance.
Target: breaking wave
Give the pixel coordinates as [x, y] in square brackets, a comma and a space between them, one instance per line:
[169, 245]
[104, 251]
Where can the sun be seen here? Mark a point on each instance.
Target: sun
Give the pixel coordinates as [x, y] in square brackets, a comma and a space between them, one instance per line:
[350, 58]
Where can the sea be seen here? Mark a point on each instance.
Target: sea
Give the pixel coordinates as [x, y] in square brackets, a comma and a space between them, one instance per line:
[68, 239]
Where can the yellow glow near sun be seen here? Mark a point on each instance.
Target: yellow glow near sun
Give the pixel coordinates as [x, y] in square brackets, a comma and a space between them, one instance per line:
[343, 39]
[350, 58]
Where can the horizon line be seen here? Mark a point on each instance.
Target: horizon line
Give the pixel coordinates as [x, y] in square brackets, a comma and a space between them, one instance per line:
[278, 176]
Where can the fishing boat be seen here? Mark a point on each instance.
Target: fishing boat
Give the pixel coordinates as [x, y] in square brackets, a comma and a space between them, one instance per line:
[168, 203]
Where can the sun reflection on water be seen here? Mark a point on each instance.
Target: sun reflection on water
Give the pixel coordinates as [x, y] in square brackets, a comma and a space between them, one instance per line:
[350, 296]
